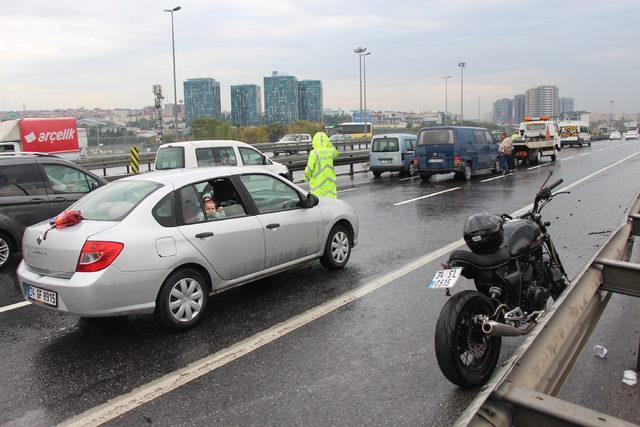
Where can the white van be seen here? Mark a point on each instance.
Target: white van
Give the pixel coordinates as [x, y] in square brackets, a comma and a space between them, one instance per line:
[572, 132]
[193, 154]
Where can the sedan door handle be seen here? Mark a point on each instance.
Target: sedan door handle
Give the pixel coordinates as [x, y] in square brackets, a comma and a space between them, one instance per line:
[59, 199]
[273, 225]
[203, 235]
[37, 200]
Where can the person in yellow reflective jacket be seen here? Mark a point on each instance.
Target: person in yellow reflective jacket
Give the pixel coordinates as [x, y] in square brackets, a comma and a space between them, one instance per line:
[319, 171]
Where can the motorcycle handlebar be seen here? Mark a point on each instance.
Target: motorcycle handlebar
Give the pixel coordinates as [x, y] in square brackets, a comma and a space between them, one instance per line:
[555, 184]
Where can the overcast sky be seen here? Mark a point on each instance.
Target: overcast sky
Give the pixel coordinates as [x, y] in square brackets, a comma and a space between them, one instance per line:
[110, 53]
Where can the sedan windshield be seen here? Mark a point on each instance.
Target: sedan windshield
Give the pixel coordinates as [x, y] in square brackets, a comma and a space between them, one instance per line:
[115, 201]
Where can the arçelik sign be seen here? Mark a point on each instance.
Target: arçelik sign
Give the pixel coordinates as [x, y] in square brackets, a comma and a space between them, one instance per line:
[58, 135]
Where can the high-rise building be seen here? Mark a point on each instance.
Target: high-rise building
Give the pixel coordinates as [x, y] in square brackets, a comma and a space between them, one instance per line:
[566, 105]
[518, 108]
[310, 92]
[503, 111]
[246, 105]
[281, 99]
[202, 99]
[542, 101]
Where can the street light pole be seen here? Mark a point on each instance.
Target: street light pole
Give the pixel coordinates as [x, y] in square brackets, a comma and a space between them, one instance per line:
[446, 97]
[462, 64]
[364, 87]
[175, 88]
[361, 52]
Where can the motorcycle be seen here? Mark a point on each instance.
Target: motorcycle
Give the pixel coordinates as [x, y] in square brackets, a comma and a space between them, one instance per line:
[516, 268]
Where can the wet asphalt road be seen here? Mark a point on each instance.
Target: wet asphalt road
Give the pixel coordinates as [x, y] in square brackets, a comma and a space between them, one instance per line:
[369, 362]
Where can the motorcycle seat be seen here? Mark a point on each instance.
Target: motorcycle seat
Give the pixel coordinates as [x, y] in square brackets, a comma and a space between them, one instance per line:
[494, 259]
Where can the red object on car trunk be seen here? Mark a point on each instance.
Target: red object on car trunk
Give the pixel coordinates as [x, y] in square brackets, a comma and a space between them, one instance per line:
[68, 219]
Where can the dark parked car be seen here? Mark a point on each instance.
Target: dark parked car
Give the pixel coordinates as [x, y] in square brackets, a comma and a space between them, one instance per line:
[35, 187]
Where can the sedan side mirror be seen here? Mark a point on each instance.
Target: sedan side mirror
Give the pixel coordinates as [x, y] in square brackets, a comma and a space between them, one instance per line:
[93, 186]
[311, 201]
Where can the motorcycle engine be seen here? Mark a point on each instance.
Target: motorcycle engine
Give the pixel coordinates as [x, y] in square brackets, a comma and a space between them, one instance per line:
[536, 298]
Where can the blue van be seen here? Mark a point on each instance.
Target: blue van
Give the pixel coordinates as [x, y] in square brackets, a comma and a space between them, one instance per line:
[463, 150]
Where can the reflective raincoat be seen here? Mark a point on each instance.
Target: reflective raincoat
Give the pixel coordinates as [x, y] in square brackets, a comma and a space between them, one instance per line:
[319, 171]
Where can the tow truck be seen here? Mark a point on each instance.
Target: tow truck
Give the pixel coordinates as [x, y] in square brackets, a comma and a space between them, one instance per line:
[539, 138]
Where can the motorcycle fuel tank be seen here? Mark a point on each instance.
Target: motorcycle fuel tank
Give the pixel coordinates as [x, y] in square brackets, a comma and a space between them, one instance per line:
[519, 235]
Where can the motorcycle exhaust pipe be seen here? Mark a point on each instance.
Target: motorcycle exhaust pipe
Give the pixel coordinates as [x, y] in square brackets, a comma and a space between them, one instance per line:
[497, 329]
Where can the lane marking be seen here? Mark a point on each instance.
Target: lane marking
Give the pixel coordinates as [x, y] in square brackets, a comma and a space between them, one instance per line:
[539, 166]
[346, 190]
[14, 306]
[585, 154]
[150, 391]
[591, 175]
[410, 177]
[602, 149]
[426, 196]
[146, 393]
[567, 158]
[494, 178]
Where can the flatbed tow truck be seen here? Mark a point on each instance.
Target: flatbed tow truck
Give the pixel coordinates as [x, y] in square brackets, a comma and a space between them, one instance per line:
[539, 138]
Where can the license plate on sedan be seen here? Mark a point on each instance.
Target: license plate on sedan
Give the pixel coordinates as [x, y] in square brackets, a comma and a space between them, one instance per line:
[385, 161]
[42, 296]
[436, 160]
[445, 278]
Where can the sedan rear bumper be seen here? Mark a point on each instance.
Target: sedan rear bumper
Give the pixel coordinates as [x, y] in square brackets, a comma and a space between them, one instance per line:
[109, 292]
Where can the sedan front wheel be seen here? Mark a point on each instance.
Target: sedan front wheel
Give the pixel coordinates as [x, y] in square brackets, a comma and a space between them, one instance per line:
[337, 250]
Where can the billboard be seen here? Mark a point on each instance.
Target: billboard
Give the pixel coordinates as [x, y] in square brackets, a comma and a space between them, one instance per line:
[59, 135]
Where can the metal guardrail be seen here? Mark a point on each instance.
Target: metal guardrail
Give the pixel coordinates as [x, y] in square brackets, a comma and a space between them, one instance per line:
[523, 392]
[348, 149]
[286, 147]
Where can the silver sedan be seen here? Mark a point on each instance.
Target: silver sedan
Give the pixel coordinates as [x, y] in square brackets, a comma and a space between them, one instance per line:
[161, 242]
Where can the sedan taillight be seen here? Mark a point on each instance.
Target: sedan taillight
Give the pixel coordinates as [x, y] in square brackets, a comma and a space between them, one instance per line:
[98, 255]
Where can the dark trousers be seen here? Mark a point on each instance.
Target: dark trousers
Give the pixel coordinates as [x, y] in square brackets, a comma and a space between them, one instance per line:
[504, 162]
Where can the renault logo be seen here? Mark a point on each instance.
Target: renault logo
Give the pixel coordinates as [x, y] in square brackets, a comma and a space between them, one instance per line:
[39, 239]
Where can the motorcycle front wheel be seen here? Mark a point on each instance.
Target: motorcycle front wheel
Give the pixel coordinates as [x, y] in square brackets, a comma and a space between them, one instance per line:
[465, 354]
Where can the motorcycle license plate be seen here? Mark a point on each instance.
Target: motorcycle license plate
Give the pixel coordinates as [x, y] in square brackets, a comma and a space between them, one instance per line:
[445, 278]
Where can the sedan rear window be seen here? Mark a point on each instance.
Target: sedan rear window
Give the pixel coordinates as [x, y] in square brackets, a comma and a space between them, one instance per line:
[435, 137]
[115, 201]
[170, 158]
[381, 145]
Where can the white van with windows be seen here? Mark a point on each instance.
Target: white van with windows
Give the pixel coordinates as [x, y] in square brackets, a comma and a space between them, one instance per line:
[193, 154]
[573, 132]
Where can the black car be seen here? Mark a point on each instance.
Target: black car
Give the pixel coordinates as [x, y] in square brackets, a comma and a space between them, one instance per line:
[35, 187]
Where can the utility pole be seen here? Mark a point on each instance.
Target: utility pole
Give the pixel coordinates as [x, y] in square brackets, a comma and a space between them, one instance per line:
[446, 98]
[157, 91]
[462, 64]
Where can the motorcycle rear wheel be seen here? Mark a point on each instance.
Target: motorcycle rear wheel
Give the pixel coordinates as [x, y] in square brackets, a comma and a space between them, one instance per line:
[466, 356]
